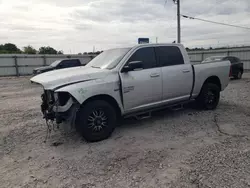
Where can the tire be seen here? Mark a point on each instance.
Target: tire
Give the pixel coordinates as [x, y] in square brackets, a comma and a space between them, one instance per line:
[239, 75]
[96, 120]
[209, 97]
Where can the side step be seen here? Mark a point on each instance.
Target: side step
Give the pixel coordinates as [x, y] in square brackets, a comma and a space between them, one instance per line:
[147, 113]
[143, 116]
[177, 107]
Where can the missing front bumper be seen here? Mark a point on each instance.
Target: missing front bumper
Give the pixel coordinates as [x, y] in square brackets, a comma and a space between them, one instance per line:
[52, 110]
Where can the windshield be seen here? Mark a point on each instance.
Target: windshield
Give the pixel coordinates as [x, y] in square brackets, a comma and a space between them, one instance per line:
[108, 59]
[55, 63]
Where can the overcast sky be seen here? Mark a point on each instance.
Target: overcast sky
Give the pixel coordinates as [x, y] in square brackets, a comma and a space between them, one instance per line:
[78, 25]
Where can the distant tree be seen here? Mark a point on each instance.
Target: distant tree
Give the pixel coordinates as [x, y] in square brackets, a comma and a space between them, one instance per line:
[79, 54]
[98, 52]
[85, 53]
[29, 50]
[60, 52]
[47, 50]
[9, 48]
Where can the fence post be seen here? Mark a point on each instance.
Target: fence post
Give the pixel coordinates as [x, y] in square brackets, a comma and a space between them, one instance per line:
[228, 53]
[16, 66]
[202, 56]
[44, 60]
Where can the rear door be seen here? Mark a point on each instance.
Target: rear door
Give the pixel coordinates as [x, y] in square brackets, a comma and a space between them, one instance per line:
[177, 77]
[142, 88]
[235, 64]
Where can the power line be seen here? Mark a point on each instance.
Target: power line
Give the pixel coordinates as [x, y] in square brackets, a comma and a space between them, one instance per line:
[192, 18]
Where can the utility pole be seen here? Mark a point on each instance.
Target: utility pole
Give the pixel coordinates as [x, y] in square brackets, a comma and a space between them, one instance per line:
[177, 2]
[178, 22]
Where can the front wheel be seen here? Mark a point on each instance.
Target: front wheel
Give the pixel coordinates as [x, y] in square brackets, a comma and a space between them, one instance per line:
[96, 120]
[209, 96]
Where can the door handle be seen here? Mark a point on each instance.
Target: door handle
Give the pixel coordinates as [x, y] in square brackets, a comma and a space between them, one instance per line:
[154, 75]
[185, 71]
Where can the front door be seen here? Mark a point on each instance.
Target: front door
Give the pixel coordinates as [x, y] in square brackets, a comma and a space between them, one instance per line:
[142, 88]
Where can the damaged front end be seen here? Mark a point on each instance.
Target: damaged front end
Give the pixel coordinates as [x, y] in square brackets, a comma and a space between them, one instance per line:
[59, 107]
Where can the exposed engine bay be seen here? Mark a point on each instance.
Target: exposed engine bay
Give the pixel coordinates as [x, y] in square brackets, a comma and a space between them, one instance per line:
[58, 107]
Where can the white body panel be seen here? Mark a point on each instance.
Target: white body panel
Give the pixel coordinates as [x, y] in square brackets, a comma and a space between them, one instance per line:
[177, 82]
[53, 79]
[141, 87]
[84, 90]
[206, 70]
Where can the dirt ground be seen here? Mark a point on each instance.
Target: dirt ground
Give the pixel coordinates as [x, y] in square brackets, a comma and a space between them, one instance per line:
[185, 148]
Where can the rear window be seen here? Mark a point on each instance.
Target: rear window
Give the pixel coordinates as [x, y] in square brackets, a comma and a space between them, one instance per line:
[169, 55]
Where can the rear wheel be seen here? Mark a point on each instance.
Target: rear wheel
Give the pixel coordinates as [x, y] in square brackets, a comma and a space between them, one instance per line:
[96, 120]
[209, 96]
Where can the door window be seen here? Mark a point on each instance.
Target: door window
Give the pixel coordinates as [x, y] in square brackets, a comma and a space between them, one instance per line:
[169, 55]
[146, 56]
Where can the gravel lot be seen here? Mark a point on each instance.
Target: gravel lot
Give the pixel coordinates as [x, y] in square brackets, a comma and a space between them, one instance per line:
[185, 148]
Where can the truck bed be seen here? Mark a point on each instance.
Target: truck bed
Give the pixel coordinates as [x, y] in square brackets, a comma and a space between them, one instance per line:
[203, 71]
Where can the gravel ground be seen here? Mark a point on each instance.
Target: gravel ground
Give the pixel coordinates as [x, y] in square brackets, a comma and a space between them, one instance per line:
[185, 148]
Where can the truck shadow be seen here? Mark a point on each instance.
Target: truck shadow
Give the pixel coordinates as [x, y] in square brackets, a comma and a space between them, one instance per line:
[67, 138]
[157, 115]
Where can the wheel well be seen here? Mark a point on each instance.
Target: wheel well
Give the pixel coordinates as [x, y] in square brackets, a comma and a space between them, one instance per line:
[213, 80]
[106, 98]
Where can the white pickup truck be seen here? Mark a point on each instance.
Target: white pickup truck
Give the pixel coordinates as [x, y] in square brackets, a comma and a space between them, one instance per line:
[126, 82]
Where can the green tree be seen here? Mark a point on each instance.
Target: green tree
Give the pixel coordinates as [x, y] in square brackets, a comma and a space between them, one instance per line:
[47, 50]
[9, 48]
[29, 50]
[60, 52]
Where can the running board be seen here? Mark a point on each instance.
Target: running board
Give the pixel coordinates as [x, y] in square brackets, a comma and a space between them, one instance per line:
[147, 113]
[143, 116]
[177, 107]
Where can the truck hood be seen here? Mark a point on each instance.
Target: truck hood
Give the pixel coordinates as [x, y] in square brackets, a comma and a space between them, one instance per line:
[58, 78]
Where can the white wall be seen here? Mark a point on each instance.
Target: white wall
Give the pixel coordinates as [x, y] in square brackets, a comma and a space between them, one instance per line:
[12, 65]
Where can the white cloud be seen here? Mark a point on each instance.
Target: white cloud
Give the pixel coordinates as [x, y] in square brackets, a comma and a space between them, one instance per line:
[78, 25]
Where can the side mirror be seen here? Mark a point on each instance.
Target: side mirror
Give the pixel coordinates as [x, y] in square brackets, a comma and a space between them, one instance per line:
[132, 66]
